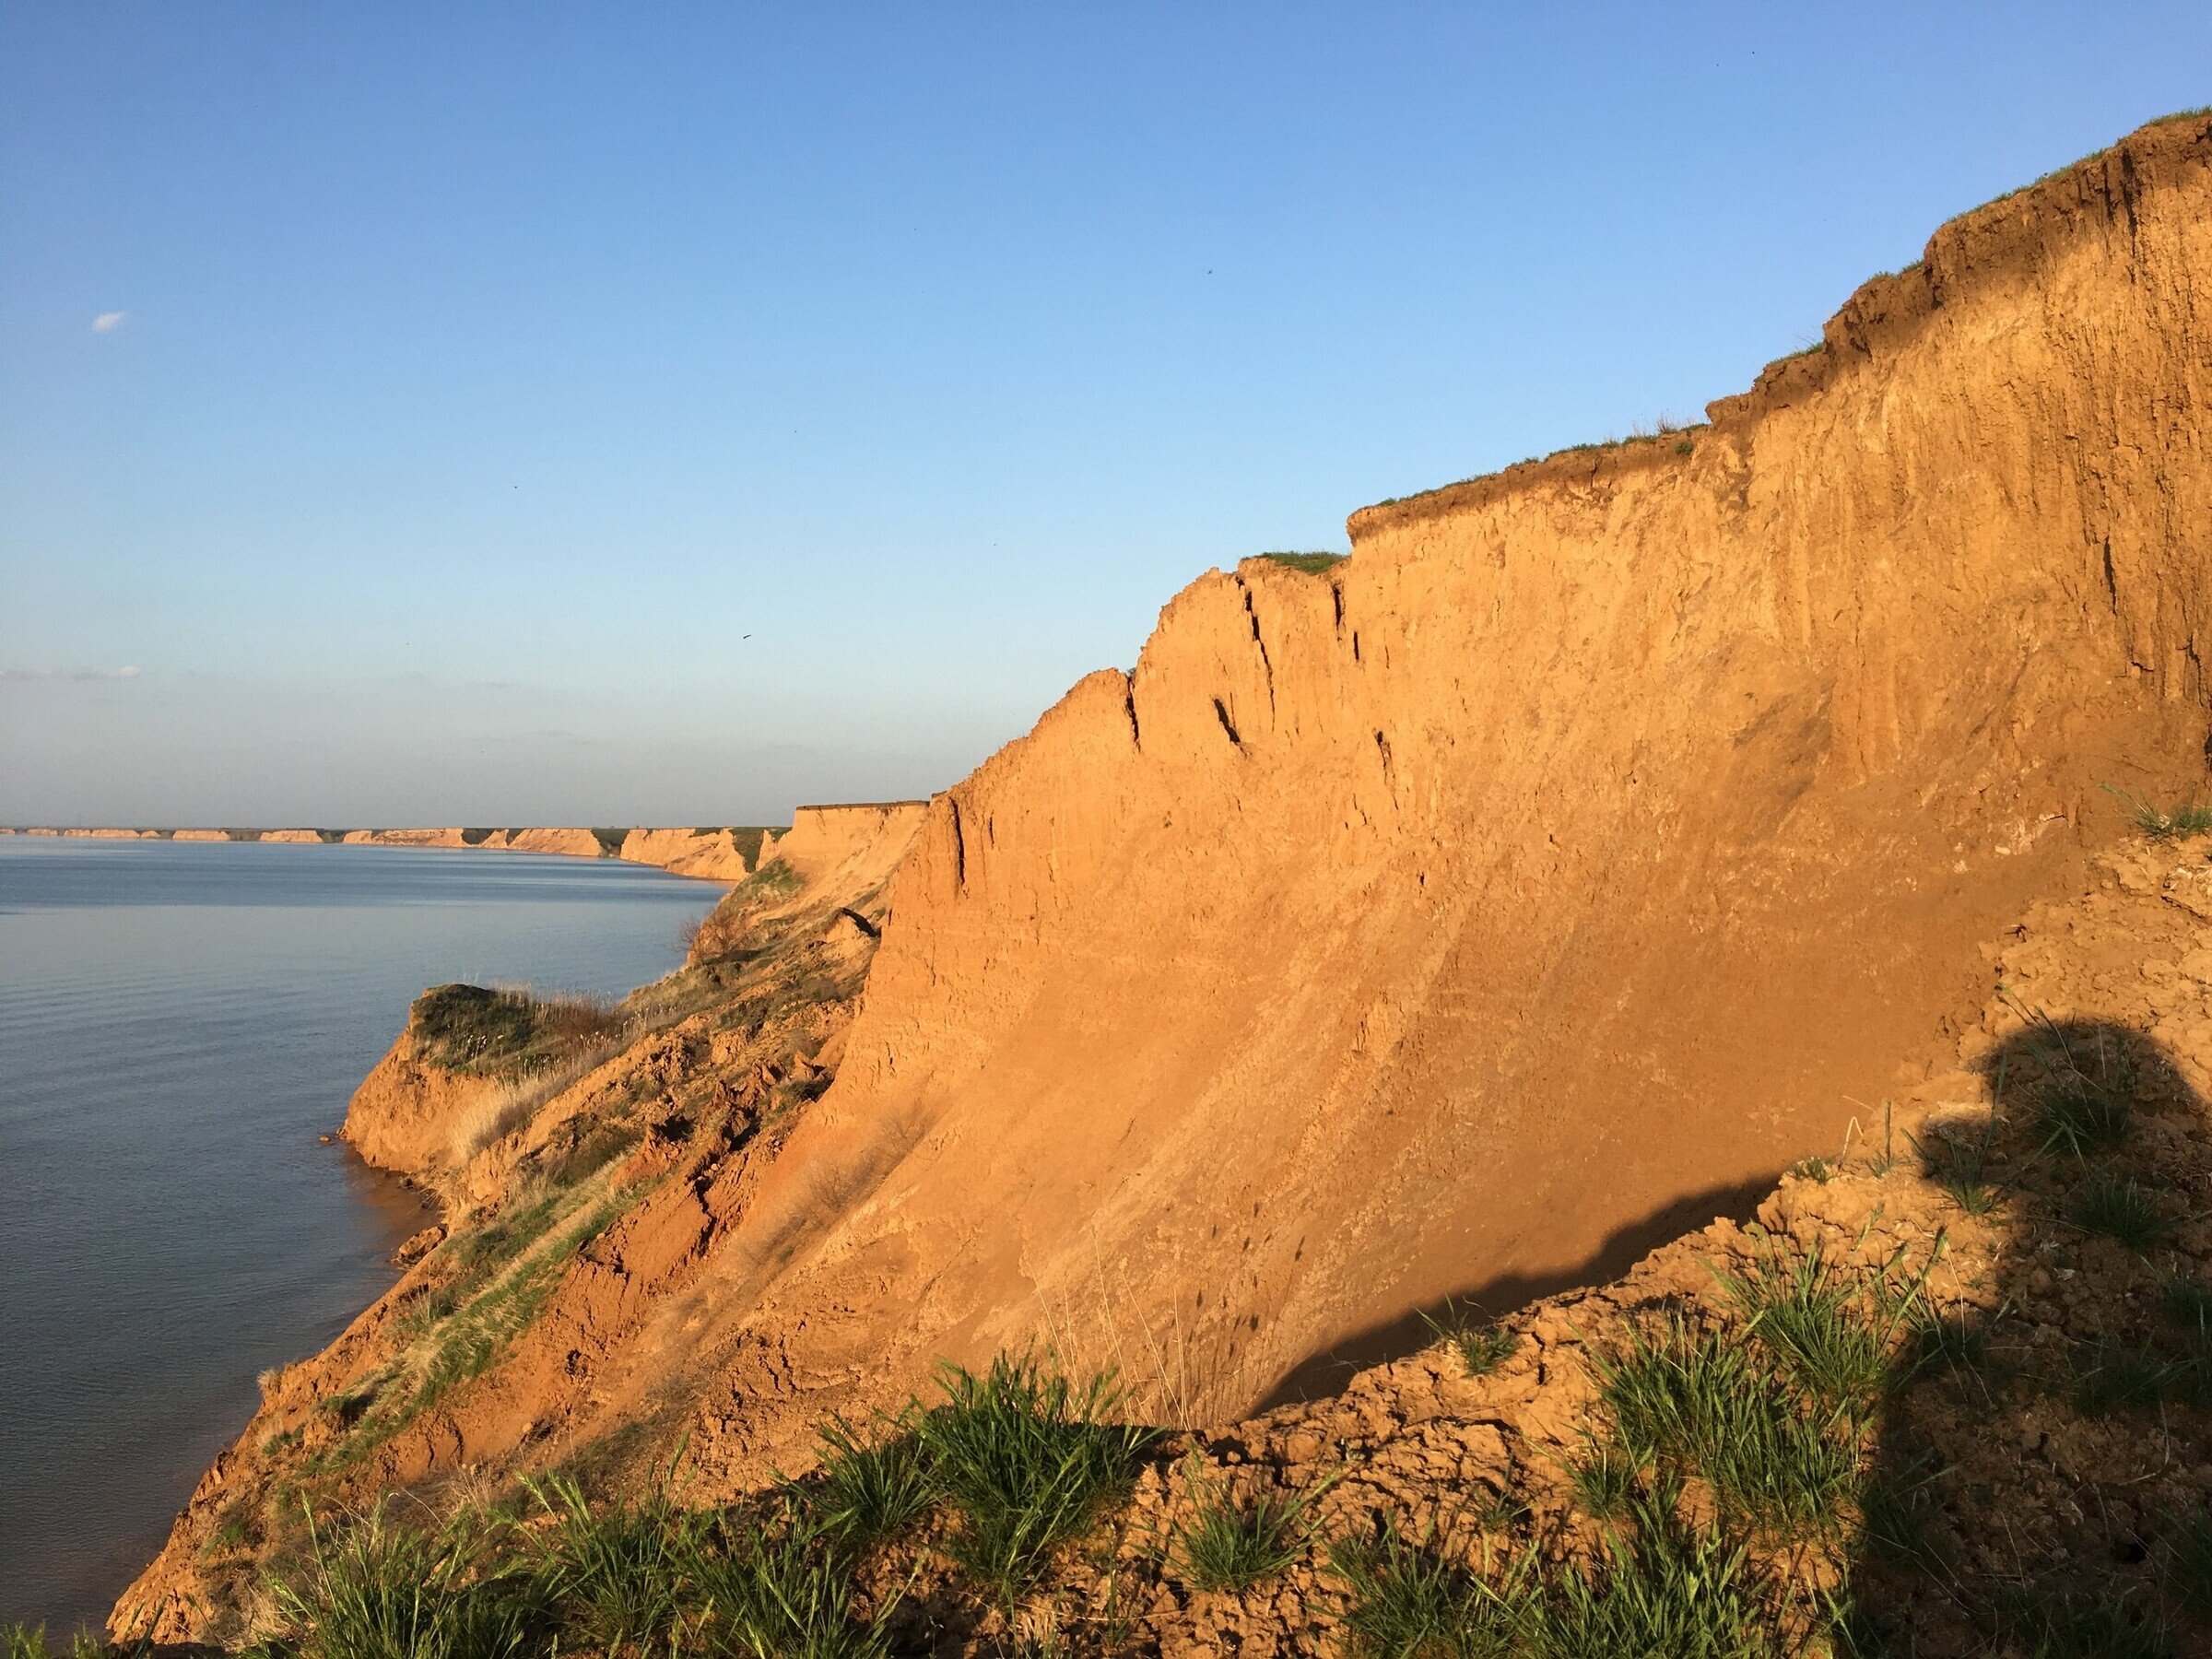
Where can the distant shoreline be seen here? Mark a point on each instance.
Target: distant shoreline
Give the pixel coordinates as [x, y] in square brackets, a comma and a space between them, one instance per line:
[719, 852]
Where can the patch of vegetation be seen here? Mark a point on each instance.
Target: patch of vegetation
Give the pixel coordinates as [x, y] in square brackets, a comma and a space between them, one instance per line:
[1482, 1345]
[1406, 1600]
[1027, 1460]
[610, 841]
[382, 1589]
[1604, 1479]
[485, 1032]
[2066, 1625]
[619, 1574]
[1958, 1162]
[1230, 1546]
[867, 1492]
[1807, 1314]
[1312, 564]
[2078, 1117]
[2161, 823]
[2188, 1568]
[778, 1591]
[2117, 1207]
[1704, 1403]
[2111, 1377]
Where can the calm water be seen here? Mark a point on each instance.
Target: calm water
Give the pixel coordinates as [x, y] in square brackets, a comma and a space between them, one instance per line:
[178, 1021]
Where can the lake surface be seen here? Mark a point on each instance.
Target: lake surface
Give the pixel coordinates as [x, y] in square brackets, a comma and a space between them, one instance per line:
[178, 1022]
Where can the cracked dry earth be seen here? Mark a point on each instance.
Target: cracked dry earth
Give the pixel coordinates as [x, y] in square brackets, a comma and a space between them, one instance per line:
[2046, 1471]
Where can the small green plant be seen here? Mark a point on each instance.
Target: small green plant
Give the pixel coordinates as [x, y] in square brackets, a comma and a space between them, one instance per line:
[1482, 1345]
[1407, 1600]
[382, 1589]
[2157, 822]
[867, 1492]
[1025, 1458]
[1958, 1161]
[1665, 1589]
[2078, 1117]
[1806, 1312]
[2188, 1563]
[1893, 1514]
[1704, 1402]
[779, 1590]
[1814, 1169]
[2111, 1377]
[1604, 1479]
[2069, 1624]
[617, 1575]
[1940, 1344]
[1230, 1546]
[2118, 1208]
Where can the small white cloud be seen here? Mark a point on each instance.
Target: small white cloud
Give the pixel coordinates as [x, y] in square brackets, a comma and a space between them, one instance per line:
[109, 322]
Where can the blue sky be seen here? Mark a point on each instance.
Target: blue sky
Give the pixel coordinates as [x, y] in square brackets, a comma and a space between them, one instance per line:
[664, 413]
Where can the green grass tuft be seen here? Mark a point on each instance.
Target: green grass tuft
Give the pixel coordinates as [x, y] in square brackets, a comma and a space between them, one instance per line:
[2189, 1565]
[1707, 1403]
[617, 1574]
[2158, 822]
[867, 1492]
[781, 1592]
[1482, 1345]
[1664, 1590]
[1604, 1479]
[2109, 1376]
[1023, 1456]
[1231, 1545]
[1312, 564]
[2079, 1117]
[1407, 1602]
[2068, 1625]
[2113, 1208]
[382, 1589]
[1958, 1162]
[1805, 1313]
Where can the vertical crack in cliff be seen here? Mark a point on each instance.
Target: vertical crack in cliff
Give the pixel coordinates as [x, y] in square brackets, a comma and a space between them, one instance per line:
[1252, 616]
[1228, 725]
[959, 848]
[1136, 737]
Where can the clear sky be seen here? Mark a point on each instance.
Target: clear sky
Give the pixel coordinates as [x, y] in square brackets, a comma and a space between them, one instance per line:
[616, 413]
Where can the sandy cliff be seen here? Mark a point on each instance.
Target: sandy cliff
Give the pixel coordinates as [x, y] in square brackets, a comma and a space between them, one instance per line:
[1592, 842]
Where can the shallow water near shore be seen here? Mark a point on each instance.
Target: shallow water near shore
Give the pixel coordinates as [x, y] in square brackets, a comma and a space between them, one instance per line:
[178, 1022]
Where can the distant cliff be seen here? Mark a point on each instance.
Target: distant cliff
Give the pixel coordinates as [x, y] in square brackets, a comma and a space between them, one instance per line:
[718, 853]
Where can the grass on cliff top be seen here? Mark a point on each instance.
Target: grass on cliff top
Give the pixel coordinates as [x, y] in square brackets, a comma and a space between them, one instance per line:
[487, 1032]
[1312, 564]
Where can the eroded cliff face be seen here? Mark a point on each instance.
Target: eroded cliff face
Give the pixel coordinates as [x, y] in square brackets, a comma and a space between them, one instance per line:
[1543, 879]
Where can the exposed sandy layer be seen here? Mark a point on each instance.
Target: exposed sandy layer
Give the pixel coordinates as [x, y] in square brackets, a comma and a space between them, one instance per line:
[405, 1115]
[849, 846]
[709, 854]
[1555, 871]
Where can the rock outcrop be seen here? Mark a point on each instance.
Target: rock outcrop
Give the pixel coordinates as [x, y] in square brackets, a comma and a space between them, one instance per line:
[1592, 843]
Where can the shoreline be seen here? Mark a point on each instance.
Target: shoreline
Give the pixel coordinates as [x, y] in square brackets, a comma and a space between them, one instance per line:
[723, 853]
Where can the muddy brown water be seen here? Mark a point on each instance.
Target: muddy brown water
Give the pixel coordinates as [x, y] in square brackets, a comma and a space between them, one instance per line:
[179, 1021]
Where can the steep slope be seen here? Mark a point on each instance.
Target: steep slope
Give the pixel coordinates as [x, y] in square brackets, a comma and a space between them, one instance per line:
[1592, 842]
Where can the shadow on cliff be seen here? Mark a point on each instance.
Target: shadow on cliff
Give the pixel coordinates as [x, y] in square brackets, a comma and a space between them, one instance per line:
[2043, 1461]
[1327, 1371]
